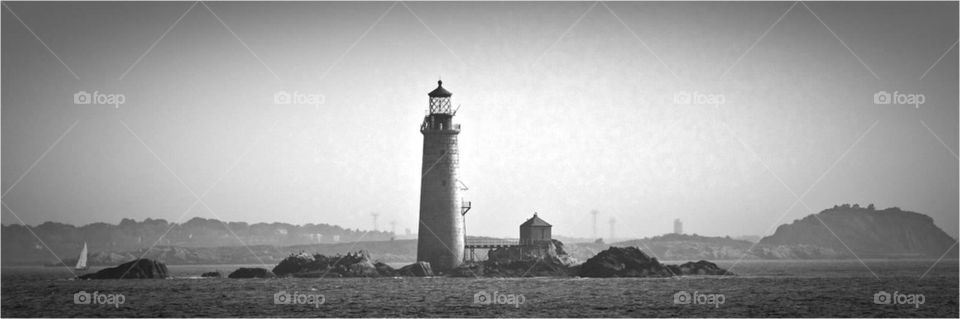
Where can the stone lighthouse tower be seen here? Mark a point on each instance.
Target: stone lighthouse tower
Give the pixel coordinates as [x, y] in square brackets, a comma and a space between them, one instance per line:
[441, 235]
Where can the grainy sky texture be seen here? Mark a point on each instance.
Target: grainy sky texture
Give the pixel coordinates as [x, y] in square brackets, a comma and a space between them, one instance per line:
[566, 108]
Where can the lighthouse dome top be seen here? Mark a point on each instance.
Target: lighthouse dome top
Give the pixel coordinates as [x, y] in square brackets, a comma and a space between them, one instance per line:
[440, 91]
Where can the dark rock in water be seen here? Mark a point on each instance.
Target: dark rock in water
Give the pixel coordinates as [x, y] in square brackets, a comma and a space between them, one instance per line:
[417, 269]
[623, 262]
[250, 273]
[299, 263]
[349, 265]
[702, 267]
[212, 274]
[468, 269]
[137, 269]
[384, 269]
[631, 262]
[356, 264]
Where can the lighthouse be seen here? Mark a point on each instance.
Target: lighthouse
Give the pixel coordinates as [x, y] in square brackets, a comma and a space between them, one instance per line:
[441, 237]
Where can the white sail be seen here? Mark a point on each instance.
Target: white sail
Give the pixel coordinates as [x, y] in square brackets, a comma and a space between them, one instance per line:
[82, 260]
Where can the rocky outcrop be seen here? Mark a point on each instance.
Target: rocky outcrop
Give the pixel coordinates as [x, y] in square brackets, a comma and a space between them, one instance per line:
[700, 268]
[137, 269]
[384, 269]
[888, 233]
[212, 274]
[623, 262]
[417, 269]
[296, 264]
[359, 265]
[242, 273]
[311, 266]
[631, 262]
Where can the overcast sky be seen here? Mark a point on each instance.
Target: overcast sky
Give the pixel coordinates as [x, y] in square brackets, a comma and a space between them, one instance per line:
[565, 108]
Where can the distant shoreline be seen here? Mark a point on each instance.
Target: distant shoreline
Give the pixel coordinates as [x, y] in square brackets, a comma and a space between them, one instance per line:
[397, 264]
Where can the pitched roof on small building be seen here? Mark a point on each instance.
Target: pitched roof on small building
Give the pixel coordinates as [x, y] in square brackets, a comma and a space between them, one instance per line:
[535, 221]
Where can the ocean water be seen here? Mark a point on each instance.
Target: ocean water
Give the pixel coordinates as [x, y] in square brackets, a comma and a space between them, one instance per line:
[761, 288]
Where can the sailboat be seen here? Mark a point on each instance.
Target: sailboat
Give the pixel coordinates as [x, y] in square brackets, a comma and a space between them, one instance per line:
[82, 259]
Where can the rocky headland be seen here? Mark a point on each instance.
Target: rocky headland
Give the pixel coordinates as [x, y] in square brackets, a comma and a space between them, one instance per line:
[869, 233]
